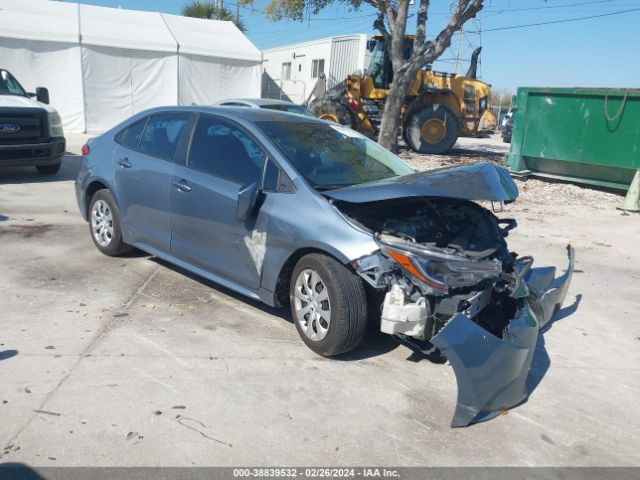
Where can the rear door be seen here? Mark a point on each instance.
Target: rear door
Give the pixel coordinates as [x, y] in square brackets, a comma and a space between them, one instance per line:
[222, 159]
[143, 165]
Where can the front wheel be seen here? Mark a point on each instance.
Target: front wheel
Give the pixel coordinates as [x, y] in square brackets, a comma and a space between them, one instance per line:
[104, 225]
[328, 305]
[434, 129]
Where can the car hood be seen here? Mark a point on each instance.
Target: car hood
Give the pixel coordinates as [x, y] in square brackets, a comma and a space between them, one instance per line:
[16, 101]
[478, 181]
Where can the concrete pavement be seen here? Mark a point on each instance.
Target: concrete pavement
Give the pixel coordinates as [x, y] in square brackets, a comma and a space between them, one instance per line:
[131, 362]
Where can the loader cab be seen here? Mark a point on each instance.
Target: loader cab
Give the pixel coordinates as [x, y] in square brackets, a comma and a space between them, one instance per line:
[380, 67]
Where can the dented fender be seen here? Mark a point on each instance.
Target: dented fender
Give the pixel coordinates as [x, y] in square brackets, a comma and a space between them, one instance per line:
[491, 372]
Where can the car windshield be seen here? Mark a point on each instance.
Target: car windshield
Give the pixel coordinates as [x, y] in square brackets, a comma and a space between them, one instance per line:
[300, 110]
[9, 85]
[332, 156]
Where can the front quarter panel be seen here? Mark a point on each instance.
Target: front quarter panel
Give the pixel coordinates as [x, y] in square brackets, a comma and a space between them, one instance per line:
[305, 220]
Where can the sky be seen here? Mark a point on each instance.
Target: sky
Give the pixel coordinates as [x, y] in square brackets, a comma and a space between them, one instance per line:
[595, 52]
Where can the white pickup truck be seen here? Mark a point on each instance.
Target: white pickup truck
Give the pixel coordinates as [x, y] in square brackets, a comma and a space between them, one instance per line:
[30, 130]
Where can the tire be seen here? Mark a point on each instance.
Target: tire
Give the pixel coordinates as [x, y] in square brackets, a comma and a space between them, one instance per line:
[332, 110]
[444, 130]
[49, 169]
[103, 213]
[347, 305]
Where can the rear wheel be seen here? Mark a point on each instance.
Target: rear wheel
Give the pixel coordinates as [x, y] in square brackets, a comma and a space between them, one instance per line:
[104, 225]
[49, 169]
[434, 129]
[332, 110]
[328, 304]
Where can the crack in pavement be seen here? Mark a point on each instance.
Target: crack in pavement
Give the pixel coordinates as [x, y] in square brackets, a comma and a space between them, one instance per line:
[106, 328]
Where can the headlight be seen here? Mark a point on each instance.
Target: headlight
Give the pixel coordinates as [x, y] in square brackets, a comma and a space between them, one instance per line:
[55, 125]
[442, 271]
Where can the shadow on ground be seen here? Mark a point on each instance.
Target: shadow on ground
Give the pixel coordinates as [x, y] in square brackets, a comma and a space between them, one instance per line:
[374, 344]
[68, 171]
[7, 354]
[541, 361]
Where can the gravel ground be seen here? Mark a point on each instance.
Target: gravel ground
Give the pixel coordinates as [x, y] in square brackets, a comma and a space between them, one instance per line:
[533, 192]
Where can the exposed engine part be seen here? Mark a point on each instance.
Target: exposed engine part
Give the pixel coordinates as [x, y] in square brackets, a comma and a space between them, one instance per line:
[459, 225]
[402, 316]
[374, 269]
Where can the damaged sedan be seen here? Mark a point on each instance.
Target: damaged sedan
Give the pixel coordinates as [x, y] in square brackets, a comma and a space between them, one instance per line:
[299, 212]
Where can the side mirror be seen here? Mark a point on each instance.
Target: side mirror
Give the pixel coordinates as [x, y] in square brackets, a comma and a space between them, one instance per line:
[371, 45]
[247, 200]
[42, 95]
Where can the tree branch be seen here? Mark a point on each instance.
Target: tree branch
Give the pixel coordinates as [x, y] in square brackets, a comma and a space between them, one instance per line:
[464, 11]
[421, 22]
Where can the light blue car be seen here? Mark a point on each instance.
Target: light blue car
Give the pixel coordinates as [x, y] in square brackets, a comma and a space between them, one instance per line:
[295, 211]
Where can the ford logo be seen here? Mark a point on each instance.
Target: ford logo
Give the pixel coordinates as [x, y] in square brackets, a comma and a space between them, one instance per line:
[9, 128]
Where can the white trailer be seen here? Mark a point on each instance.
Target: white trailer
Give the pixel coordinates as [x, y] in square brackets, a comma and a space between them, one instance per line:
[290, 72]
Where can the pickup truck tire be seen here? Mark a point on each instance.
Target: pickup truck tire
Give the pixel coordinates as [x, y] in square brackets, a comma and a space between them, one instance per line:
[104, 225]
[49, 169]
[328, 305]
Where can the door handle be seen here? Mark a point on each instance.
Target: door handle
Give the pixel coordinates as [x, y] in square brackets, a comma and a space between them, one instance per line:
[124, 162]
[182, 186]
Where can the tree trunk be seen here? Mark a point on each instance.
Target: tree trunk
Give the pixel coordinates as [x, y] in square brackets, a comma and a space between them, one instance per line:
[390, 125]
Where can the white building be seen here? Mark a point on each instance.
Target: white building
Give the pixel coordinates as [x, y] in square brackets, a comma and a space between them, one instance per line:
[101, 65]
[291, 71]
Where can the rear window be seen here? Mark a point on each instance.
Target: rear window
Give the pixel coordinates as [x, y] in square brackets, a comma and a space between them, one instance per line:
[130, 136]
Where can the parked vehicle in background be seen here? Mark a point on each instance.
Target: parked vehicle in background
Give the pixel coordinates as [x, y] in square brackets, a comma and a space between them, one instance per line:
[268, 103]
[507, 127]
[30, 130]
[439, 107]
[293, 210]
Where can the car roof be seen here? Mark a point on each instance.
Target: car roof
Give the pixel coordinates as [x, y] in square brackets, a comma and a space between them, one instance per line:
[258, 101]
[234, 113]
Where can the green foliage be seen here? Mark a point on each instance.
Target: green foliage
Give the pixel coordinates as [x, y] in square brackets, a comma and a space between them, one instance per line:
[296, 9]
[208, 10]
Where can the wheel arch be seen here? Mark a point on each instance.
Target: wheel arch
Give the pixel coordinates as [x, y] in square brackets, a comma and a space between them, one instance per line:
[93, 186]
[281, 290]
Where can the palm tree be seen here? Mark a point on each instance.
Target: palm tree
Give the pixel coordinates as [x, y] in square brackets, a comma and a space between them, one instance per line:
[209, 10]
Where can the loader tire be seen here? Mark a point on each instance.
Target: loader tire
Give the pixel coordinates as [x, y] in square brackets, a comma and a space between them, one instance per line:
[332, 110]
[434, 130]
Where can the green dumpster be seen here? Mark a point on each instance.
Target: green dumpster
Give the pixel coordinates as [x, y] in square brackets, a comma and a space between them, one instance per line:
[587, 135]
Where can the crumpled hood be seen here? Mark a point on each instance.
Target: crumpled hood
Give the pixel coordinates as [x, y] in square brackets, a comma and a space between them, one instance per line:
[478, 181]
[16, 101]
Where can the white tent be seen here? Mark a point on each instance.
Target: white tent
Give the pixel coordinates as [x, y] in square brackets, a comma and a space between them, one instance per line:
[102, 65]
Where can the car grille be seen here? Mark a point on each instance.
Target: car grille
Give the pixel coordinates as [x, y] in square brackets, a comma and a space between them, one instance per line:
[32, 123]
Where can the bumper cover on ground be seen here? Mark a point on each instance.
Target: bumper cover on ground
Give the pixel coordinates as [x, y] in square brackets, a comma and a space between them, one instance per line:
[492, 372]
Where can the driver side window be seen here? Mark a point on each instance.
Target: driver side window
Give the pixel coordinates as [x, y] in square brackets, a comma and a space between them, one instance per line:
[224, 150]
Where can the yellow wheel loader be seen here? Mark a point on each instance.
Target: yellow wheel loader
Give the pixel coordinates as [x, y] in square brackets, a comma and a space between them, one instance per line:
[439, 107]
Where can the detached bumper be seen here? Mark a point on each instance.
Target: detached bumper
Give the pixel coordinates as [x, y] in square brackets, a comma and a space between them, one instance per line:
[492, 372]
[32, 154]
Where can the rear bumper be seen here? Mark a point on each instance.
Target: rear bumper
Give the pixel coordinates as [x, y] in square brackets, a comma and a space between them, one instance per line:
[30, 154]
[491, 372]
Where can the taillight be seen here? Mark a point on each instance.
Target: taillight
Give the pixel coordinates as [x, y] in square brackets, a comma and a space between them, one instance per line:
[85, 149]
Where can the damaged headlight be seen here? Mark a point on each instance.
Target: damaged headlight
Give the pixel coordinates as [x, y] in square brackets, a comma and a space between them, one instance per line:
[442, 271]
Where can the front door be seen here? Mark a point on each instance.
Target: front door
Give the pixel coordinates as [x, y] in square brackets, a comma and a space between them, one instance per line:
[222, 159]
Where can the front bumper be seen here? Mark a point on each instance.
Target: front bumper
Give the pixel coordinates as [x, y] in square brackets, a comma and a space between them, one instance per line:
[32, 154]
[491, 372]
